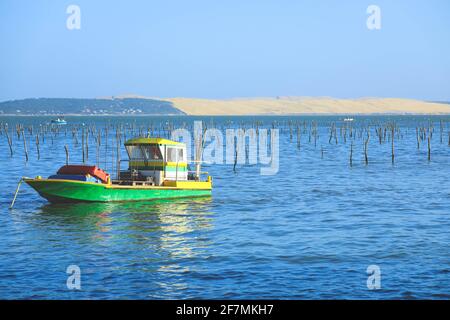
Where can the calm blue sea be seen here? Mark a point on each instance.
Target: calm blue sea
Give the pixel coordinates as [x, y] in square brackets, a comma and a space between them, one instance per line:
[309, 232]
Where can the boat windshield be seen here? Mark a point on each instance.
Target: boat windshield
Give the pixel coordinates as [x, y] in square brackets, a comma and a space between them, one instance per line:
[144, 152]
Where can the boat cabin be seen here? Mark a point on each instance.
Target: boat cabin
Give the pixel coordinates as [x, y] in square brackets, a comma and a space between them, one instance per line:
[155, 160]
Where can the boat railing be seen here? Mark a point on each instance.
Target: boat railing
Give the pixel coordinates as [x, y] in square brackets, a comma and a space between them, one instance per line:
[201, 172]
[195, 172]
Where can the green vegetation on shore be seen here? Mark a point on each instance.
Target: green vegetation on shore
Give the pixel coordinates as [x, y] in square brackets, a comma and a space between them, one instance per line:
[62, 106]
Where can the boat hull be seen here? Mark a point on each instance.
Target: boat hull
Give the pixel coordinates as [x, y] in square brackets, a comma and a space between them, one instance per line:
[79, 191]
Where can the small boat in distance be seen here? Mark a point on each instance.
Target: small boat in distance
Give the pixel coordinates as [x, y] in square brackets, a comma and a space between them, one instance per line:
[59, 121]
[157, 169]
[348, 119]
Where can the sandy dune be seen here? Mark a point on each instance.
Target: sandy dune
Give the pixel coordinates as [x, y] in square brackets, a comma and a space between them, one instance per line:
[306, 105]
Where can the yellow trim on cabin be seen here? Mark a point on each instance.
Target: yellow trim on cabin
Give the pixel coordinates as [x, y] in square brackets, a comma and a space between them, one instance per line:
[139, 141]
[188, 184]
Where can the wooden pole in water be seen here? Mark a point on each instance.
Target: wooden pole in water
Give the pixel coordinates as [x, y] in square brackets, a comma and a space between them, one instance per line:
[113, 158]
[429, 148]
[345, 133]
[418, 138]
[331, 133]
[82, 143]
[290, 130]
[351, 154]
[315, 135]
[75, 136]
[392, 142]
[25, 145]
[366, 158]
[97, 152]
[335, 135]
[118, 153]
[199, 143]
[309, 134]
[15, 194]
[37, 147]
[87, 144]
[106, 147]
[235, 155]
[10, 142]
[66, 149]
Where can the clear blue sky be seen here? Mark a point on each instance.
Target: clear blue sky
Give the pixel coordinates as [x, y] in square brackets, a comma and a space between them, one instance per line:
[223, 49]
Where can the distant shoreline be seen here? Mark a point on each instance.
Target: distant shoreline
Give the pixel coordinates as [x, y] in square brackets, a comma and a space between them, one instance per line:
[138, 106]
[231, 115]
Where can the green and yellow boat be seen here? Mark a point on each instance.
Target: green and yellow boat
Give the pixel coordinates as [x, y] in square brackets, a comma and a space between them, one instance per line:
[157, 169]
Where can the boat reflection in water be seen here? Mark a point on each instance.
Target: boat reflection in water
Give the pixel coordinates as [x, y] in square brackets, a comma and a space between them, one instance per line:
[156, 242]
[174, 216]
